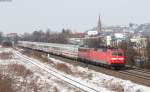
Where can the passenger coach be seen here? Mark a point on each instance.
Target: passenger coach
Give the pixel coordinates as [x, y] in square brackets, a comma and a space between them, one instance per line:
[103, 56]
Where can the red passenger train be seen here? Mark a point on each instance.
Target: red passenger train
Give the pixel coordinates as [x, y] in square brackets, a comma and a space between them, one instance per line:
[103, 56]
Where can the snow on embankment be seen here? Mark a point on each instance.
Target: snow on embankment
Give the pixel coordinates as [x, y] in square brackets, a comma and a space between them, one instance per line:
[17, 75]
[98, 80]
[61, 75]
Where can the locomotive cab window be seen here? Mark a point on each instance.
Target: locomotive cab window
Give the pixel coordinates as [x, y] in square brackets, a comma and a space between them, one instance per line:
[117, 54]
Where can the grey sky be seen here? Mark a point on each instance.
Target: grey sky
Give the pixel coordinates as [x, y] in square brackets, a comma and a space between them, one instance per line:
[29, 15]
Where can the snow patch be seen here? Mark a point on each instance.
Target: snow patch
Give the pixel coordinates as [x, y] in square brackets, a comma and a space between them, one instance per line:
[97, 79]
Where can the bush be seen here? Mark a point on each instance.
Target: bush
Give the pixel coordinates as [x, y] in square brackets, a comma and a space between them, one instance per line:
[63, 67]
[19, 70]
[6, 84]
[6, 55]
[111, 84]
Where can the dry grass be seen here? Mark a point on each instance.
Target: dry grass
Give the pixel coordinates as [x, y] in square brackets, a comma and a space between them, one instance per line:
[34, 86]
[10, 79]
[55, 89]
[6, 84]
[19, 70]
[25, 52]
[63, 67]
[35, 54]
[38, 55]
[43, 59]
[84, 75]
[6, 55]
[60, 66]
[113, 86]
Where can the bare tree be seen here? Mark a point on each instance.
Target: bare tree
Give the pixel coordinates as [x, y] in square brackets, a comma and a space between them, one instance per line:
[129, 51]
[148, 48]
[48, 36]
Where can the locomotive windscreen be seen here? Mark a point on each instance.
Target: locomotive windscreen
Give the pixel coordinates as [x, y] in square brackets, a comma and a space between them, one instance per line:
[117, 54]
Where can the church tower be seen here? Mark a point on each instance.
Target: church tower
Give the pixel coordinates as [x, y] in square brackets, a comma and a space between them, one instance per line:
[99, 26]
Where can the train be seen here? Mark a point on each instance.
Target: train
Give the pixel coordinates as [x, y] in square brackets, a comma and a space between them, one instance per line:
[111, 57]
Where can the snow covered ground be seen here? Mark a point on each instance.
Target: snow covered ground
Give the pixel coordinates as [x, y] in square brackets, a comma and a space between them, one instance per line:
[48, 83]
[95, 79]
[37, 81]
[99, 80]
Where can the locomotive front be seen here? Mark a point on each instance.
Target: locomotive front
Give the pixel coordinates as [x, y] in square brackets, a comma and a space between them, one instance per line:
[117, 58]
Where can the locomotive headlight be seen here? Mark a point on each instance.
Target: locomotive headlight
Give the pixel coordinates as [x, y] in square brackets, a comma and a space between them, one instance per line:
[117, 58]
[114, 58]
[120, 58]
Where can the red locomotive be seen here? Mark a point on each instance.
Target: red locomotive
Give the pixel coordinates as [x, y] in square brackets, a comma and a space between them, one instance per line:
[95, 50]
[103, 56]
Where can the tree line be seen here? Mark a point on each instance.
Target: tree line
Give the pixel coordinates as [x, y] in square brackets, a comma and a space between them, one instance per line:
[137, 54]
[48, 36]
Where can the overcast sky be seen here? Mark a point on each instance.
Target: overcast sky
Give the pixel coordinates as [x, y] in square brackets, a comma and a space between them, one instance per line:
[29, 15]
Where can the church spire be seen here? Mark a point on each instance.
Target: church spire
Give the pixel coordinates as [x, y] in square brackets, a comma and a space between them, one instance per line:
[99, 26]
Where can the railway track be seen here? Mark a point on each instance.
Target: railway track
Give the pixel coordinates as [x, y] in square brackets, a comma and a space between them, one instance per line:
[142, 70]
[140, 76]
[136, 74]
[57, 74]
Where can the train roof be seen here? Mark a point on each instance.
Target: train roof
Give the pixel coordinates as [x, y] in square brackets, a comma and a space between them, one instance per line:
[65, 45]
[50, 44]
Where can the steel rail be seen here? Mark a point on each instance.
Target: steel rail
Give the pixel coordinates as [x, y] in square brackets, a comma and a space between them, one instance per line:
[135, 74]
[73, 82]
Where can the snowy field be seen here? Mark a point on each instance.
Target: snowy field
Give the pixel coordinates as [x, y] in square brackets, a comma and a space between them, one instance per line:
[36, 80]
[99, 80]
[95, 79]
[44, 82]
